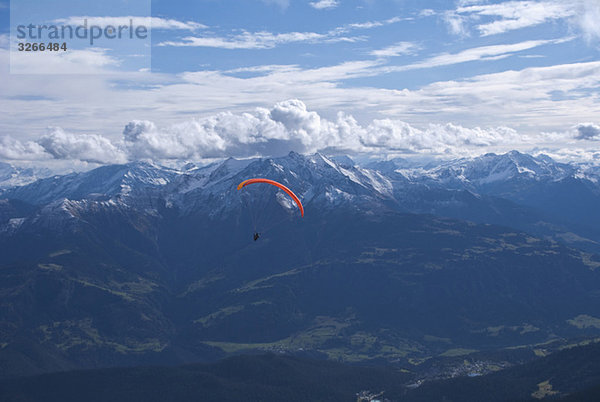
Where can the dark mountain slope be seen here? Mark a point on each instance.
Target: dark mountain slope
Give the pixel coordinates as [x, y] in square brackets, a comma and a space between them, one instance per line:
[117, 288]
[247, 378]
[570, 373]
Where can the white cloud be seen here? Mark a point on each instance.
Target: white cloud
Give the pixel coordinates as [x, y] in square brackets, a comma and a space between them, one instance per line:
[438, 139]
[587, 17]
[13, 149]
[84, 147]
[283, 77]
[269, 40]
[512, 15]
[526, 98]
[492, 52]
[324, 4]
[457, 24]
[398, 49]
[182, 141]
[507, 16]
[154, 22]
[260, 40]
[371, 24]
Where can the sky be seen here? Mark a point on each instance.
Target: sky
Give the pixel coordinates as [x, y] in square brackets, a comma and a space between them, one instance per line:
[246, 78]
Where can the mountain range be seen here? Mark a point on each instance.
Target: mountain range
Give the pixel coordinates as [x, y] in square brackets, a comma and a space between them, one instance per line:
[535, 194]
[142, 264]
[12, 176]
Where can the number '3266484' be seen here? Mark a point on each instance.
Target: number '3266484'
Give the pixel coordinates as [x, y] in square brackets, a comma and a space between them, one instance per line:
[41, 47]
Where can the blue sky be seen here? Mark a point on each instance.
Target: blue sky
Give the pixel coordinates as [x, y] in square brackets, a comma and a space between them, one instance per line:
[375, 77]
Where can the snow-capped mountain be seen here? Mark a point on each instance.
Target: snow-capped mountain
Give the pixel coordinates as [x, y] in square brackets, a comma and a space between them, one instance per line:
[521, 178]
[513, 189]
[313, 177]
[13, 176]
[492, 168]
[137, 179]
[485, 171]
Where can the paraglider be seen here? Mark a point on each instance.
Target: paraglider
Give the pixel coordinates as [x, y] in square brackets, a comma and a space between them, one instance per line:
[289, 192]
[276, 184]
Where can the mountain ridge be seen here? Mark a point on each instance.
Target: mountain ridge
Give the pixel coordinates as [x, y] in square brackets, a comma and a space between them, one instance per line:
[537, 195]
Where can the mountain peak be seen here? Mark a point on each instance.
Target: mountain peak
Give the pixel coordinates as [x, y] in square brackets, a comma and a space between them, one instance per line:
[514, 152]
[321, 160]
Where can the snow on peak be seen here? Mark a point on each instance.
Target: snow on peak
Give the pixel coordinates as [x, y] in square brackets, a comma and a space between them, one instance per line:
[313, 176]
[15, 176]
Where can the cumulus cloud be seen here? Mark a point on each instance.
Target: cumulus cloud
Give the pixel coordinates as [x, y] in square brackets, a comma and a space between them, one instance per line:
[396, 135]
[84, 147]
[286, 126]
[587, 131]
[289, 125]
[324, 4]
[13, 149]
[183, 141]
[59, 145]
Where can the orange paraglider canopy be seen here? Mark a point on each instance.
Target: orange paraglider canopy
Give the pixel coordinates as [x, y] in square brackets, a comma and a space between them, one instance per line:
[274, 183]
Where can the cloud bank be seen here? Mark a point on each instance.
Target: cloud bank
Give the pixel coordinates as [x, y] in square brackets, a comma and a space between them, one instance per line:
[286, 126]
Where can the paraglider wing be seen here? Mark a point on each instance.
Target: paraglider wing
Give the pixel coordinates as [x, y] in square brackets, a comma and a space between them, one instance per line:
[274, 183]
